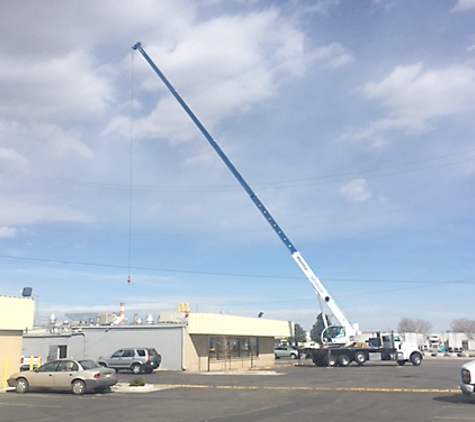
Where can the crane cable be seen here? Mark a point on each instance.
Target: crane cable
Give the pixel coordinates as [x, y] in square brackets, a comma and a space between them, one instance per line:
[131, 168]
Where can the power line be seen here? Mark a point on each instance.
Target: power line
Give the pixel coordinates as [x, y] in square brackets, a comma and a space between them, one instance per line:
[227, 274]
[286, 184]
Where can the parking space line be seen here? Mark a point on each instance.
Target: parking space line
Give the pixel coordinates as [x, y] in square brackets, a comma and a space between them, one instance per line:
[348, 389]
[29, 405]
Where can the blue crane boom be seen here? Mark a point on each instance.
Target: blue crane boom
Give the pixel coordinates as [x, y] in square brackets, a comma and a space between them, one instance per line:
[345, 332]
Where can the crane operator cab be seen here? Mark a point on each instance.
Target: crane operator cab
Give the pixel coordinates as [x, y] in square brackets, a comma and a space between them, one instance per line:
[335, 335]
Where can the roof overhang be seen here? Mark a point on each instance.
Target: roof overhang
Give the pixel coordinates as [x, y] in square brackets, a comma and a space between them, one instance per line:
[219, 324]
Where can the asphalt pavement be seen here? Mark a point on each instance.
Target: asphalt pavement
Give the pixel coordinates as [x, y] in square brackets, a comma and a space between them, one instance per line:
[286, 392]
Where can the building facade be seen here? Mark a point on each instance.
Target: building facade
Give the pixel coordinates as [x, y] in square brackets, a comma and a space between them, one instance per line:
[186, 341]
[16, 316]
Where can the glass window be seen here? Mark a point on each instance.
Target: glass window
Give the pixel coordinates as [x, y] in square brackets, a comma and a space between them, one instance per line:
[49, 367]
[223, 347]
[89, 364]
[68, 366]
[118, 354]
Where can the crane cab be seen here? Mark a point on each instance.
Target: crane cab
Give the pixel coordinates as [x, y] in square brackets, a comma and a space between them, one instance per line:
[336, 336]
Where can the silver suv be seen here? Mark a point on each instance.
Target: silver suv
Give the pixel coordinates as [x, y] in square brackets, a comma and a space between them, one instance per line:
[135, 359]
[286, 352]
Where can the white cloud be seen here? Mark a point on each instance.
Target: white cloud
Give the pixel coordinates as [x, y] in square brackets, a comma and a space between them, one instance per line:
[12, 159]
[221, 81]
[464, 5]
[356, 190]
[333, 55]
[322, 7]
[7, 232]
[415, 97]
[30, 210]
[59, 142]
[56, 86]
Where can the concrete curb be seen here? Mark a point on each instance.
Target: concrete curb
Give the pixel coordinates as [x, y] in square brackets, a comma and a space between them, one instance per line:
[126, 388]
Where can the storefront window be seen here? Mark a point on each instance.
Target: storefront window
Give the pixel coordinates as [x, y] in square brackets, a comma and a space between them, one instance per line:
[224, 347]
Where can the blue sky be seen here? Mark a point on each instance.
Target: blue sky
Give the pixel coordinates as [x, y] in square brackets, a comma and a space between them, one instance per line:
[352, 121]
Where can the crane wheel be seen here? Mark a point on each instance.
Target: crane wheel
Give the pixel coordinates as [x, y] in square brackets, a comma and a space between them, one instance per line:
[360, 358]
[344, 360]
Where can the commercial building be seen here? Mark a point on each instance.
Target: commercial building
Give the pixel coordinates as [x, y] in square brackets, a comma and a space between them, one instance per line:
[191, 341]
[16, 317]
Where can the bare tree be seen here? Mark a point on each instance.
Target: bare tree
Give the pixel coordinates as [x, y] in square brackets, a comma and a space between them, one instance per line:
[409, 325]
[423, 326]
[463, 325]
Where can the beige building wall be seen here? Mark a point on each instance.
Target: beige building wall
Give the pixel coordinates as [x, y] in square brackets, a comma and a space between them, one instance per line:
[10, 354]
[203, 325]
[16, 315]
[220, 324]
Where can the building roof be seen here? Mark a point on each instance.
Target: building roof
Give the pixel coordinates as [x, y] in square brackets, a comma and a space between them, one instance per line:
[220, 324]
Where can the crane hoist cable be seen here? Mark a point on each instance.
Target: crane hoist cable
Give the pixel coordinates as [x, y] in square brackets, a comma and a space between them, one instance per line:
[131, 174]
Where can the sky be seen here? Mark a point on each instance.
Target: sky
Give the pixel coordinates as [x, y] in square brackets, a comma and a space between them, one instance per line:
[352, 121]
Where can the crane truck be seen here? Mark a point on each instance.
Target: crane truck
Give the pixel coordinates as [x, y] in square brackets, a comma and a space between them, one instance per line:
[339, 341]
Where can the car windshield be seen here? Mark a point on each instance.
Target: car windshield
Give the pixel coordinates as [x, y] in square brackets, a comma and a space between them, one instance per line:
[89, 364]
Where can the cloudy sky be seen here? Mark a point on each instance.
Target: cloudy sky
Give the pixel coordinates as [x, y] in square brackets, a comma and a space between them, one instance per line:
[351, 120]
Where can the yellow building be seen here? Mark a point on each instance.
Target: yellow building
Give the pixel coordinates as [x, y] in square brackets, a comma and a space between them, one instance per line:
[16, 315]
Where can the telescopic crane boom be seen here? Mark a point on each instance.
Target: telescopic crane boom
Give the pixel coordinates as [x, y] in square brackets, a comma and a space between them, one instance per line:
[345, 333]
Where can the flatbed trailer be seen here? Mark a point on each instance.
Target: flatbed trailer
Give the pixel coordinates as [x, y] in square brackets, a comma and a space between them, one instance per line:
[401, 353]
[344, 356]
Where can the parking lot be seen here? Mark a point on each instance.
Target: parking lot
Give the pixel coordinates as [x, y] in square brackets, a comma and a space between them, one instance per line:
[373, 392]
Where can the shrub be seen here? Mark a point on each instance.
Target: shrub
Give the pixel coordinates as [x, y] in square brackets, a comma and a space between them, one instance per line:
[137, 382]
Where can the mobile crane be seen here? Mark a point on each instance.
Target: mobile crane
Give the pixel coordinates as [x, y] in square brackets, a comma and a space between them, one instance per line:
[338, 341]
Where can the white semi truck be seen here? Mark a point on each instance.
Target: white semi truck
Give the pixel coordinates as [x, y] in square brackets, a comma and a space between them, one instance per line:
[338, 341]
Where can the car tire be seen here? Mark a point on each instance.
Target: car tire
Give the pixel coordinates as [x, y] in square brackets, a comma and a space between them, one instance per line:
[78, 387]
[148, 370]
[21, 385]
[293, 356]
[401, 362]
[136, 368]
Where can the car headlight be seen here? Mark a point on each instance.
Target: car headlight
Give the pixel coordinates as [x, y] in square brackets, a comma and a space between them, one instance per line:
[466, 379]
